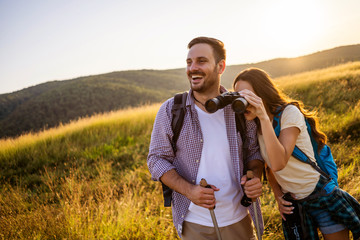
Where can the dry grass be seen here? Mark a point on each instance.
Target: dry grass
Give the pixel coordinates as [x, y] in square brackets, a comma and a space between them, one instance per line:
[328, 74]
[89, 179]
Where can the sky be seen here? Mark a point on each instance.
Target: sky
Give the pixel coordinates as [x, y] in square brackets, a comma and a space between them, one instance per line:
[42, 40]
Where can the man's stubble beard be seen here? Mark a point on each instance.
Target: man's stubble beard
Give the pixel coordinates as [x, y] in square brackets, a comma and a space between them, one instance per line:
[207, 83]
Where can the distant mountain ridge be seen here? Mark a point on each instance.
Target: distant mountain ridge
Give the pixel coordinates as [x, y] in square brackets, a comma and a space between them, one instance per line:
[49, 104]
[287, 66]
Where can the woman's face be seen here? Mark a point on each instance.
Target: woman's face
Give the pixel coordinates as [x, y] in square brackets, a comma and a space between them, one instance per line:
[239, 86]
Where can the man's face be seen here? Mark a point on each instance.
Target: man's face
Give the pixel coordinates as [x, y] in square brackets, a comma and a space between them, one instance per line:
[202, 71]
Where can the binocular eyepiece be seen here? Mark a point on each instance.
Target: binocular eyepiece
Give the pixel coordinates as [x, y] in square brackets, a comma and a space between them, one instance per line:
[238, 103]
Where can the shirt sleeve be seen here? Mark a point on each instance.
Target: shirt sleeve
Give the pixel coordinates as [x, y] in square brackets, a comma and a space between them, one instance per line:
[252, 144]
[161, 154]
[292, 117]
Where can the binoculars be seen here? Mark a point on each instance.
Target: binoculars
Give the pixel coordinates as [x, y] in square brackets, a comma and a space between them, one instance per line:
[238, 103]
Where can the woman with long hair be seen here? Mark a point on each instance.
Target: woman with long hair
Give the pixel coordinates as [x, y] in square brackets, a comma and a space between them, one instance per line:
[298, 181]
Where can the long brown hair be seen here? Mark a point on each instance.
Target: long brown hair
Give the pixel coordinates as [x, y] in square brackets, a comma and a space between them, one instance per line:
[273, 98]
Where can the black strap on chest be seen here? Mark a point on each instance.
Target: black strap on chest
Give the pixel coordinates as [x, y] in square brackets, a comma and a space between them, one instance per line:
[178, 113]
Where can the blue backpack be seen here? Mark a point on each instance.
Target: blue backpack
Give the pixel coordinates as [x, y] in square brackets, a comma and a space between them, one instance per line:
[325, 162]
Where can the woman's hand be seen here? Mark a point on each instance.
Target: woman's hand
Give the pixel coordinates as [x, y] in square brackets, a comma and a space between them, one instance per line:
[284, 206]
[256, 105]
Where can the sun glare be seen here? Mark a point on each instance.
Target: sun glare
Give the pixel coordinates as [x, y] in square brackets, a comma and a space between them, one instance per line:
[292, 26]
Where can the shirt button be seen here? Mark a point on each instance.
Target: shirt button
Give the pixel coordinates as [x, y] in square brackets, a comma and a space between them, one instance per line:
[193, 180]
[182, 216]
[201, 140]
[197, 161]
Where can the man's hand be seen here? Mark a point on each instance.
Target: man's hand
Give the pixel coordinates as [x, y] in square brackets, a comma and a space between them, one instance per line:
[252, 187]
[198, 195]
[201, 196]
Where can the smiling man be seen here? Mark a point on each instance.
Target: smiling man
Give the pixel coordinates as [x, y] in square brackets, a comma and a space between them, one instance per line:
[208, 147]
[204, 69]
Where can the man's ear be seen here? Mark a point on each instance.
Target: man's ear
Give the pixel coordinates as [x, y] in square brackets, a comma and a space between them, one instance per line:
[221, 66]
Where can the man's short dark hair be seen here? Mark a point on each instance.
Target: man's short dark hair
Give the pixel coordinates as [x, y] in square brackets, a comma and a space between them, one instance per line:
[217, 46]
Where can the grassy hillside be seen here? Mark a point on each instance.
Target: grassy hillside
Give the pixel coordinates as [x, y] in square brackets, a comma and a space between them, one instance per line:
[46, 105]
[288, 66]
[85, 180]
[49, 104]
[89, 179]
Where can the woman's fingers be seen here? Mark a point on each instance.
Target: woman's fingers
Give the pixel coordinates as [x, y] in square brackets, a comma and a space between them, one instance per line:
[285, 207]
[253, 99]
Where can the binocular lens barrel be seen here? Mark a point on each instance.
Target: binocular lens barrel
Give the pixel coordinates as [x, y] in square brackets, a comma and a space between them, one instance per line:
[212, 105]
[239, 105]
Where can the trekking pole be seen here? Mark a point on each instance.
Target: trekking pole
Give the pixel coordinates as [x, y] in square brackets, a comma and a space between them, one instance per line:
[203, 183]
[250, 175]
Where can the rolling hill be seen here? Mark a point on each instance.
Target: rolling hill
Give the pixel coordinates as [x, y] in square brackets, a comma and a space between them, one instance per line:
[49, 104]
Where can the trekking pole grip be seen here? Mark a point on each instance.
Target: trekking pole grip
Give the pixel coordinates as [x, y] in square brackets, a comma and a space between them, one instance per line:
[204, 184]
[250, 175]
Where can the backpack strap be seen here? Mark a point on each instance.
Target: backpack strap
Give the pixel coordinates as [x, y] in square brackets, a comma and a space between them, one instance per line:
[297, 152]
[300, 155]
[241, 128]
[241, 125]
[277, 120]
[178, 113]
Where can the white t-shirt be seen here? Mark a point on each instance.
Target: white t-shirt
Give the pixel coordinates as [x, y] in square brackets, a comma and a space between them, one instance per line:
[297, 177]
[217, 168]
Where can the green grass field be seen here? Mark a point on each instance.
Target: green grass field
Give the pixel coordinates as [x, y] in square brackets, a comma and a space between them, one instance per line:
[89, 179]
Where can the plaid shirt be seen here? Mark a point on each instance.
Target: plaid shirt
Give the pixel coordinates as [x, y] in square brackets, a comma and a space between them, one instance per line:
[342, 207]
[161, 157]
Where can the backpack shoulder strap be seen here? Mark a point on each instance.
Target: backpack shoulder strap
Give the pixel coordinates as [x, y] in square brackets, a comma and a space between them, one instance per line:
[178, 113]
[241, 125]
[277, 120]
[297, 152]
[241, 128]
